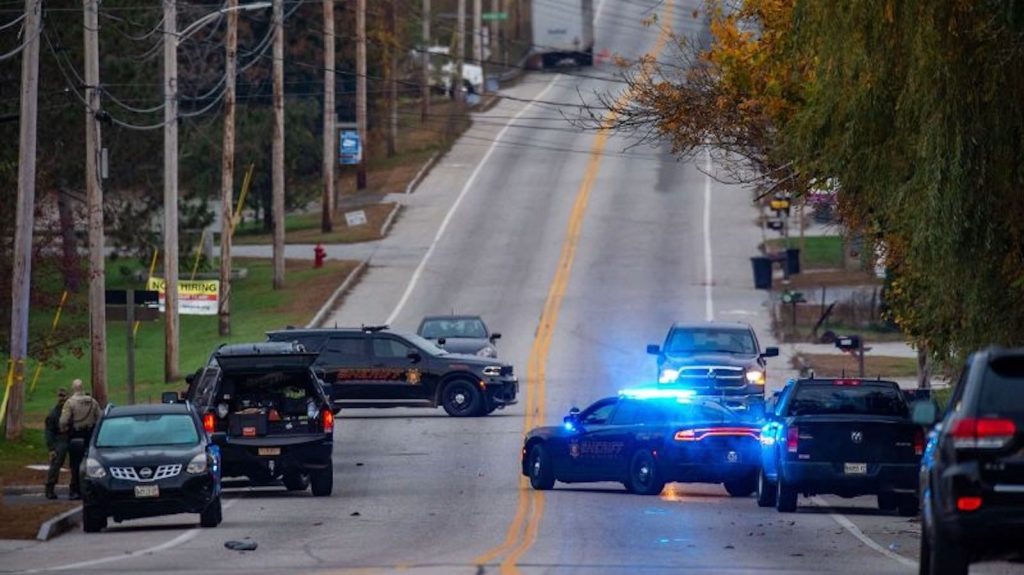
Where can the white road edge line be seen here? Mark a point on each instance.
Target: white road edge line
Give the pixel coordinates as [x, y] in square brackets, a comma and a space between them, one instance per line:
[845, 523]
[183, 538]
[455, 206]
[709, 303]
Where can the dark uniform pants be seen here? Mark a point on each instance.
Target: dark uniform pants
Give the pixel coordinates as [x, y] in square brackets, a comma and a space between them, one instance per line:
[77, 456]
[57, 456]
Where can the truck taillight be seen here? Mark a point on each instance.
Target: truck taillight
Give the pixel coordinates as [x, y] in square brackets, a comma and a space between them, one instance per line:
[209, 423]
[792, 439]
[982, 433]
[919, 442]
[327, 416]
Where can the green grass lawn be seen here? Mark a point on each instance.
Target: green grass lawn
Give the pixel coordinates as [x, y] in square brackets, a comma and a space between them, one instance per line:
[256, 307]
[820, 252]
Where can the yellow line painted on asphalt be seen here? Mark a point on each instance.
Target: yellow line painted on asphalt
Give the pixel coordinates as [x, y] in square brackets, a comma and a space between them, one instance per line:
[525, 524]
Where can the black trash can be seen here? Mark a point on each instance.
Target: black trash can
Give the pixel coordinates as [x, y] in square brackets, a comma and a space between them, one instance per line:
[792, 261]
[762, 266]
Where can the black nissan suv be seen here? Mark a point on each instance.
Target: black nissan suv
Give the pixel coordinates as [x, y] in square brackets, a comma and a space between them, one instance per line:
[266, 407]
[716, 359]
[379, 367]
[972, 472]
[149, 460]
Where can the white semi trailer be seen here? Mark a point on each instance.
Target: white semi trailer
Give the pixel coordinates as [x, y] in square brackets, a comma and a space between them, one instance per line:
[563, 29]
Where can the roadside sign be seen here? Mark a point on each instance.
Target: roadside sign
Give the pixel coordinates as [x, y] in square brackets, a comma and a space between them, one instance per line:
[494, 16]
[350, 148]
[356, 218]
[195, 297]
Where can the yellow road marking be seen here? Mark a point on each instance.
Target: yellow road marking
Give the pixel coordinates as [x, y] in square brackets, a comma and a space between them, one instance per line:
[525, 524]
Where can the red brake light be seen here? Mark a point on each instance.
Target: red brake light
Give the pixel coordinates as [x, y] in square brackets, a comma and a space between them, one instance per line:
[792, 439]
[982, 433]
[209, 423]
[700, 434]
[846, 382]
[968, 503]
[328, 418]
[919, 442]
[686, 435]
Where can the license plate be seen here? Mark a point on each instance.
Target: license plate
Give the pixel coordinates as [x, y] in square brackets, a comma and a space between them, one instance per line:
[147, 491]
[270, 451]
[855, 468]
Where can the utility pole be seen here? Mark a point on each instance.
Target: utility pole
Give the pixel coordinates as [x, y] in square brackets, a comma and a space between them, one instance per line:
[392, 78]
[361, 90]
[94, 202]
[170, 190]
[478, 39]
[278, 148]
[227, 171]
[21, 280]
[330, 129]
[425, 55]
[460, 53]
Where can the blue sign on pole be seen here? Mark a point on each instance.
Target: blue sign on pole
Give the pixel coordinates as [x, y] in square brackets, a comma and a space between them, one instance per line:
[350, 148]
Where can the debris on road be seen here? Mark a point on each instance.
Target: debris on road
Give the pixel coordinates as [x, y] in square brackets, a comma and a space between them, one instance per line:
[244, 545]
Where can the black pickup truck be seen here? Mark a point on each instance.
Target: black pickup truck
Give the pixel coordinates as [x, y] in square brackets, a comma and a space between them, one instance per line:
[847, 437]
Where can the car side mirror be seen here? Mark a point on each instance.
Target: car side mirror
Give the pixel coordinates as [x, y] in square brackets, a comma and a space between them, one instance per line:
[170, 397]
[77, 446]
[441, 341]
[414, 356]
[924, 413]
[653, 349]
[770, 352]
[219, 438]
[494, 337]
[572, 420]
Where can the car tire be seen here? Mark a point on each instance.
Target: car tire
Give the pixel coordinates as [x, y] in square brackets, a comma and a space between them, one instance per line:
[907, 504]
[93, 520]
[295, 481]
[212, 515]
[742, 486]
[785, 497]
[940, 554]
[462, 398]
[765, 491]
[888, 501]
[321, 481]
[644, 477]
[542, 476]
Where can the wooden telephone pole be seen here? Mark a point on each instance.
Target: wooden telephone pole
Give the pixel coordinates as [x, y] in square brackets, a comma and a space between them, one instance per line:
[94, 201]
[478, 38]
[330, 129]
[425, 55]
[392, 78]
[21, 280]
[361, 90]
[170, 190]
[227, 172]
[278, 147]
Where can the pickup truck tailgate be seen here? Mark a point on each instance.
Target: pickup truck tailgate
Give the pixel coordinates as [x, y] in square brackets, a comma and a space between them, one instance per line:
[861, 439]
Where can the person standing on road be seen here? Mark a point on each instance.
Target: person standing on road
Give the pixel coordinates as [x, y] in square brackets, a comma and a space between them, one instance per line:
[56, 444]
[78, 418]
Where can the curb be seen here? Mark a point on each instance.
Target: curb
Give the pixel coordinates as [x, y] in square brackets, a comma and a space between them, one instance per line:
[60, 524]
[422, 173]
[386, 226]
[333, 300]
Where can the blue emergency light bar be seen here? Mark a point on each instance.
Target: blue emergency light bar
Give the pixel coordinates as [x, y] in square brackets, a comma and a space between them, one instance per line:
[657, 393]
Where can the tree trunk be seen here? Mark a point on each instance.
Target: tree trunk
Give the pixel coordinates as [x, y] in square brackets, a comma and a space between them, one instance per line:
[70, 265]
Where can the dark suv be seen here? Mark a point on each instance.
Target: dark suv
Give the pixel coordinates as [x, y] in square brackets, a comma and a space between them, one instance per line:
[266, 407]
[972, 473]
[717, 359]
[149, 460]
[378, 367]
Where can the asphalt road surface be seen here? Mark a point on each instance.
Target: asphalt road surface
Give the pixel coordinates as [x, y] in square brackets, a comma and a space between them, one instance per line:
[580, 250]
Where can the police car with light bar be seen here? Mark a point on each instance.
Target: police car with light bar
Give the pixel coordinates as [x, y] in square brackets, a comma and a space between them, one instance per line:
[645, 438]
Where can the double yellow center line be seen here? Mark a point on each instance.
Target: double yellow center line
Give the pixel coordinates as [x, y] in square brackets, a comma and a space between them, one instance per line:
[522, 532]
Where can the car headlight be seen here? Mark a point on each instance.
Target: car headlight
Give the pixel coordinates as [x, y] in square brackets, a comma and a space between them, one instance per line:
[197, 465]
[755, 376]
[668, 375]
[492, 370]
[487, 351]
[94, 469]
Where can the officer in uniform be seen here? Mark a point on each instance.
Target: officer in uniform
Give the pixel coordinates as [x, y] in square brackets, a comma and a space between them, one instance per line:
[78, 418]
[56, 444]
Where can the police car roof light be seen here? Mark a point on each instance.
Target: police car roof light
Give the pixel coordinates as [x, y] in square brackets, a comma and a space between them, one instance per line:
[657, 393]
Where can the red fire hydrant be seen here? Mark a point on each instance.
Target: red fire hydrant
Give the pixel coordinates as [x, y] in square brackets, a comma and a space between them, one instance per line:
[318, 256]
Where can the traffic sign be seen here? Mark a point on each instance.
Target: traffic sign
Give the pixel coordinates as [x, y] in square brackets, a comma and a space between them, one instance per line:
[350, 148]
[494, 16]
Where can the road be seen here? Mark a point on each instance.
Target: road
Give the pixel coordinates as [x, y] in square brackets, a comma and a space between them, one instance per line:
[580, 252]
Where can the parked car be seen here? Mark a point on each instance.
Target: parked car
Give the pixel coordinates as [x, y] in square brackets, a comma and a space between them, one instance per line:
[972, 472]
[149, 460]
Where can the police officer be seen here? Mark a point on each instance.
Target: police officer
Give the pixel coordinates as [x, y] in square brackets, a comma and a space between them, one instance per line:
[56, 444]
[78, 418]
